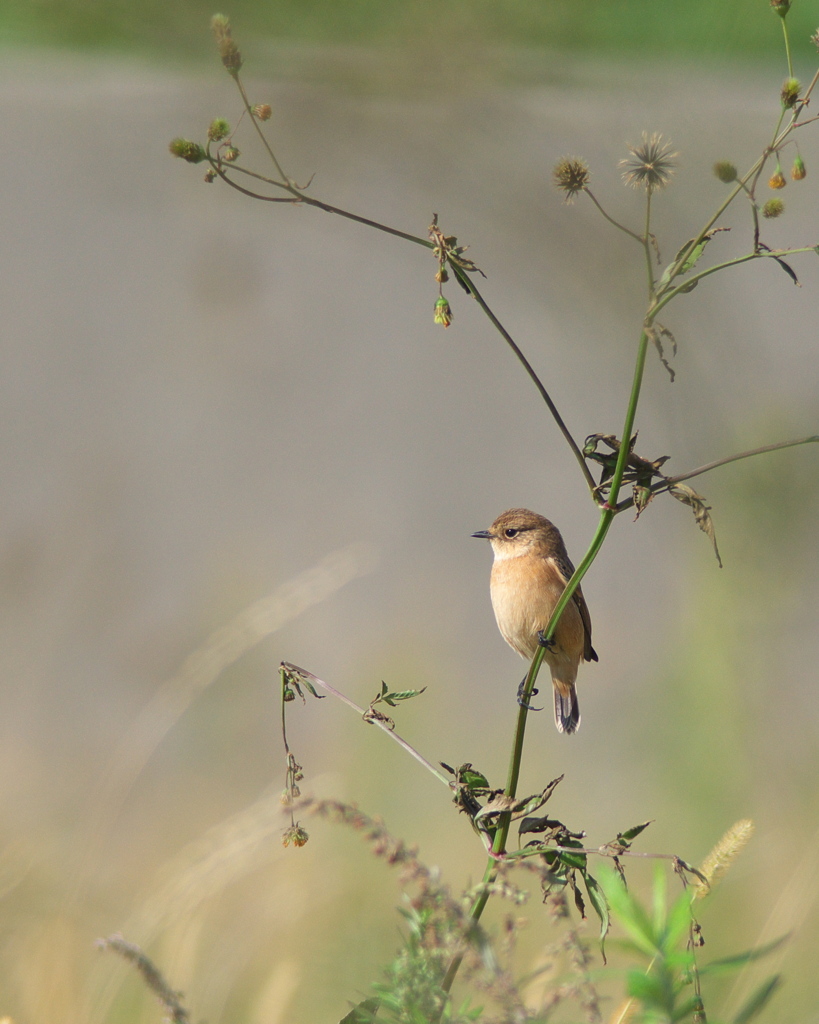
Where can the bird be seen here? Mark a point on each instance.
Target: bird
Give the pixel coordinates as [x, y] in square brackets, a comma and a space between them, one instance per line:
[529, 574]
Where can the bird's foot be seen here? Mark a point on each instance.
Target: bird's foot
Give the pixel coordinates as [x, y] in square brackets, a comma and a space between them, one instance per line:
[543, 641]
[521, 701]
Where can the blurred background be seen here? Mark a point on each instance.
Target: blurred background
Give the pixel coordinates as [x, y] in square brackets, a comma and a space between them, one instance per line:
[232, 435]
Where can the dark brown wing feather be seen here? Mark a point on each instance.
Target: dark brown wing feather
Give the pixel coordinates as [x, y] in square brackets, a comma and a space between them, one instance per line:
[567, 571]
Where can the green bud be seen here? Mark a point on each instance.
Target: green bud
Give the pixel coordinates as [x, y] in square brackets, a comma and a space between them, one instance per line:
[773, 208]
[443, 314]
[725, 171]
[187, 150]
[790, 92]
[219, 128]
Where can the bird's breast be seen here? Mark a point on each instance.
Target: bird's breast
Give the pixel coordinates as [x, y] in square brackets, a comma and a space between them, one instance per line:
[524, 593]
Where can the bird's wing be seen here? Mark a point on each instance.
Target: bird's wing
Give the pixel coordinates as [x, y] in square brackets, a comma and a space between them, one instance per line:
[566, 568]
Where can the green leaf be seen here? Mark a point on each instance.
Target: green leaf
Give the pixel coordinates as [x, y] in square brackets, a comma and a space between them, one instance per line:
[730, 963]
[392, 698]
[788, 270]
[677, 922]
[312, 688]
[648, 989]
[364, 1013]
[758, 999]
[573, 860]
[632, 833]
[472, 778]
[598, 900]
[629, 914]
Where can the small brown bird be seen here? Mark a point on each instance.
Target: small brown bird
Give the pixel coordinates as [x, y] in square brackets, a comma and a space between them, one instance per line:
[529, 573]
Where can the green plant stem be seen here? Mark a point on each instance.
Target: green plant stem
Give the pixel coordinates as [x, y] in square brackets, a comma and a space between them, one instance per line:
[607, 514]
[647, 246]
[787, 46]
[611, 220]
[754, 172]
[689, 281]
[259, 131]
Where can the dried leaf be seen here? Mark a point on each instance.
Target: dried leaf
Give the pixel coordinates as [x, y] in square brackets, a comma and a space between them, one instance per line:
[688, 496]
[788, 270]
[656, 333]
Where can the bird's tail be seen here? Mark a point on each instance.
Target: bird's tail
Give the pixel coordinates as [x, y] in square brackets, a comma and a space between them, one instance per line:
[567, 710]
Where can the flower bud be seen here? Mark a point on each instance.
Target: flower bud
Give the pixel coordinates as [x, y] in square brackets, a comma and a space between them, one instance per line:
[187, 150]
[773, 208]
[777, 179]
[219, 128]
[725, 171]
[790, 92]
[443, 314]
[798, 171]
[781, 7]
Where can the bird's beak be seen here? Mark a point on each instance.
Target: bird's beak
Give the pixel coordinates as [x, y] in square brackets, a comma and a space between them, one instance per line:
[482, 535]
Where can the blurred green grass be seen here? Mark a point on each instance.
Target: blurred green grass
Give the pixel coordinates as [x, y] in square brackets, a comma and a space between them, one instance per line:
[696, 28]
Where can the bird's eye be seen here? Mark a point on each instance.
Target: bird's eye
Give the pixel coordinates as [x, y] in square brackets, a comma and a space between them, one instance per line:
[511, 532]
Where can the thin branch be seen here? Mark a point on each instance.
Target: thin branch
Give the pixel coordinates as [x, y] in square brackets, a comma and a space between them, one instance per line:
[735, 458]
[611, 220]
[544, 394]
[667, 482]
[288, 667]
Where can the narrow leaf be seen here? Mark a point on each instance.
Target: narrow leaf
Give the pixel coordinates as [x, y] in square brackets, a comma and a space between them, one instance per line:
[740, 959]
[391, 698]
[632, 833]
[364, 1013]
[758, 1000]
[788, 270]
[598, 900]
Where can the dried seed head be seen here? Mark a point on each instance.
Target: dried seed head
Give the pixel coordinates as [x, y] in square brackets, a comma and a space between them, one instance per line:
[571, 176]
[187, 150]
[790, 92]
[230, 154]
[228, 50]
[262, 111]
[295, 835]
[773, 208]
[725, 171]
[210, 176]
[651, 164]
[798, 171]
[723, 855]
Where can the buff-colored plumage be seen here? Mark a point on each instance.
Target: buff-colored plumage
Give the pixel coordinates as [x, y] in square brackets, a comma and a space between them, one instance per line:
[529, 573]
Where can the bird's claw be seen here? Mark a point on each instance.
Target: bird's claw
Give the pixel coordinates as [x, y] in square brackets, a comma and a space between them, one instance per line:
[521, 701]
[543, 641]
